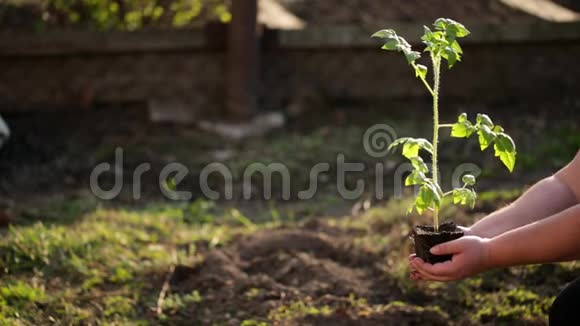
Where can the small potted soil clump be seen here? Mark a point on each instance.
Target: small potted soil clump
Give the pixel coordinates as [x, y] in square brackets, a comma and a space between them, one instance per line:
[425, 238]
[441, 43]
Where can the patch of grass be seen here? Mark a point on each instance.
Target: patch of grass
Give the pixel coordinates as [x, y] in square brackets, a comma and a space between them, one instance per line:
[298, 309]
[19, 299]
[176, 301]
[102, 268]
[511, 307]
[117, 305]
[399, 305]
[251, 322]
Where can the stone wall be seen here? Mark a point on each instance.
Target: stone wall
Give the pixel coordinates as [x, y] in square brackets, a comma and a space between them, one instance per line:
[80, 69]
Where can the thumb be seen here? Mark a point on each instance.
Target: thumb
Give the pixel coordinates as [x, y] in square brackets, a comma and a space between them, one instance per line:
[450, 247]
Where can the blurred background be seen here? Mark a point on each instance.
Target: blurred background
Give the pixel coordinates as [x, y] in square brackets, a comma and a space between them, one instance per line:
[244, 81]
[80, 78]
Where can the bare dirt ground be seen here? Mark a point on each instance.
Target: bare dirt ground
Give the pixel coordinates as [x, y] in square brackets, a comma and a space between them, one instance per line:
[314, 266]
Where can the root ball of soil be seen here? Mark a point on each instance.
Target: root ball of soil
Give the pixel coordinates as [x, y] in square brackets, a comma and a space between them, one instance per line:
[425, 238]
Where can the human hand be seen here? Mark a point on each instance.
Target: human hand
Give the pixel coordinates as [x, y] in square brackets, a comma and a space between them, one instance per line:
[466, 230]
[415, 275]
[470, 256]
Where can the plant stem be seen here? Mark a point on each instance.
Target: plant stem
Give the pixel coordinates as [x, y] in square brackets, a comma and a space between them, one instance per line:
[427, 85]
[424, 81]
[446, 125]
[436, 71]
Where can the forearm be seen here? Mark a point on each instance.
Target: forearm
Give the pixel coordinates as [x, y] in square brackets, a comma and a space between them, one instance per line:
[544, 199]
[552, 239]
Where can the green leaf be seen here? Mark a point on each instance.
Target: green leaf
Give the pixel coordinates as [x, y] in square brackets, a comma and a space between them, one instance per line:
[425, 145]
[415, 178]
[420, 71]
[418, 164]
[443, 41]
[505, 149]
[385, 33]
[435, 187]
[458, 29]
[440, 24]
[451, 27]
[429, 195]
[455, 45]
[468, 179]
[410, 55]
[424, 198]
[393, 42]
[464, 196]
[411, 149]
[434, 40]
[437, 193]
[398, 142]
[463, 128]
[451, 56]
[391, 45]
[486, 136]
[483, 119]
[428, 37]
[412, 146]
[508, 159]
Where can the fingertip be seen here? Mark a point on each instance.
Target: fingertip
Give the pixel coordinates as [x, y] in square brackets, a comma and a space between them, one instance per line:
[415, 276]
[435, 250]
[415, 262]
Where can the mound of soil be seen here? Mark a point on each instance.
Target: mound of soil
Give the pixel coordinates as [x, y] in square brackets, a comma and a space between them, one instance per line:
[258, 274]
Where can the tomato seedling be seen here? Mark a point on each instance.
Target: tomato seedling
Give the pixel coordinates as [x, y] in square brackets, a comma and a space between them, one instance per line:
[442, 44]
